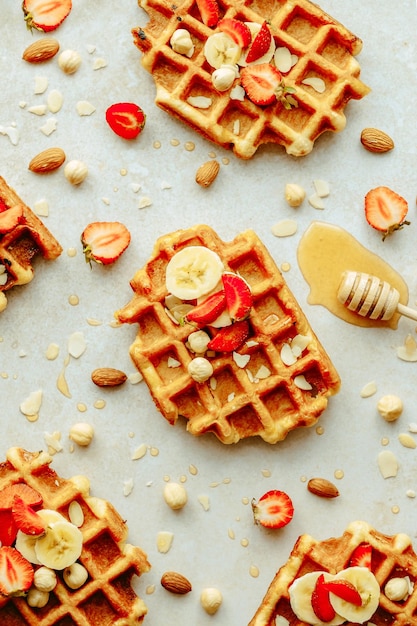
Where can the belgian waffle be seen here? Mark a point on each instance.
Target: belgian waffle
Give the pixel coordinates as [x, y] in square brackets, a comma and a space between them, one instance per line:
[392, 556]
[239, 404]
[324, 47]
[107, 597]
[22, 243]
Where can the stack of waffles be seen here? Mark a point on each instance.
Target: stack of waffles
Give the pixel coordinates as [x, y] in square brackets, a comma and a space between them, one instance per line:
[236, 402]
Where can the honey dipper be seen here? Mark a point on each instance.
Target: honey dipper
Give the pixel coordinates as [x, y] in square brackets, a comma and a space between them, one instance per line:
[371, 297]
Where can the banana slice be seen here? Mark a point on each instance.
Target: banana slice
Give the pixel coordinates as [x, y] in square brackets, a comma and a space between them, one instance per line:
[193, 272]
[60, 546]
[220, 49]
[25, 544]
[300, 599]
[367, 585]
[254, 28]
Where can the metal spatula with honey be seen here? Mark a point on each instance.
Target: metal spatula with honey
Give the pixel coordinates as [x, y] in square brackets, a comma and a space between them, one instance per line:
[371, 297]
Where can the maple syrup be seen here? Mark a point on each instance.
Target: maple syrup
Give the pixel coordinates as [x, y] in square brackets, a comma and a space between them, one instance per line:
[326, 251]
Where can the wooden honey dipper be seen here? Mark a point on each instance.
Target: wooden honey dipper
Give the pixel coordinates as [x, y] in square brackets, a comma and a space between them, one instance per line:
[371, 297]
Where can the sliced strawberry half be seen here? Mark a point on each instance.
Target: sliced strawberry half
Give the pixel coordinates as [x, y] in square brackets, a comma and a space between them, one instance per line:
[237, 30]
[45, 15]
[11, 218]
[29, 495]
[16, 573]
[238, 296]
[209, 11]
[104, 242]
[260, 44]
[262, 83]
[8, 528]
[385, 210]
[208, 310]
[345, 590]
[26, 518]
[273, 510]
[229, 338]
[126, 119]
[362, 556]
[320, 601]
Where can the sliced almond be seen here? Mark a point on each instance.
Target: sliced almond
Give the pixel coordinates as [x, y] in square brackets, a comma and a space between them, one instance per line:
[41, 50]
[376, 140]
[322, 487]
[176, 583]
[207, 173]
[108, 377]
[47, 161]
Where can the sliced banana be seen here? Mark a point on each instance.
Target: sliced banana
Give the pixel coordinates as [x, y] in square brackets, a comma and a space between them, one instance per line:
[254, 28]
[300, 599]
[60, 546]
[367, 585]
[220, 49]
[193, 272]
[25, 544]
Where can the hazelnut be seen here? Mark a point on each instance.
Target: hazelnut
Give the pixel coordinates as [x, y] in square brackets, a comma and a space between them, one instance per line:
[182, 43]
[175, 495]
[390, 407]
[82, 434]
[36, 598]
[224, 77]
[294, 194]
[211, 599]
[197, 341]
[44, 579]
[75, 172]
[75, 575]
[69, 61]
[200, 369]
[397, 589]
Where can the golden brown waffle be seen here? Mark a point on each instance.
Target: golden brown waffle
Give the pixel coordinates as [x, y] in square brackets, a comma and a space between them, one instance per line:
[239, 405]
[22, 243]
[392, 556]
[324, 48]
[107, 597]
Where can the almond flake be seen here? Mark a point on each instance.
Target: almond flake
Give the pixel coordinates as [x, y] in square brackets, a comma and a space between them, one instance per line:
[30, 407]
[173, 362]
[134, 378]
[200, 102]
[127, 487]
[99, 63]
[412, 427]
[408, 352]
[139, 452]
[39, 109]
[263, 372]
[204, 501]
[250, 375]
[301, 382]
[76, 344]
[41, 85]
[284, 228]
[241, 360]
[231, 396]
[322, 188]
[299, 344]
[164, 541]
[76, 514]
[54, 101]
[388, 464]
[368, 390]
[85, 108]
[144, 202]
[237, 93]
[316, 83]
[53, 442]
[283, 60]
[407, 440]
[316, 201]
[49, 127]
[287, 355]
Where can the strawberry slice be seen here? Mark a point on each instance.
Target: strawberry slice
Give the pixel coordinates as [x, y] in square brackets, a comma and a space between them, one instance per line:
[8, 528]
[126, 119]
[209, 11]
[208, 310]
[229, 338]
[362, 556]
[262, 83]
[29, 495]
[385, 210]
[260, 44]
[320, 601]
[11, 218]
[273, 510]
[237, 30]
[104, 242]
[345, 590]
[26, 518]
[45, 15]
[16, 573]
[238, 296]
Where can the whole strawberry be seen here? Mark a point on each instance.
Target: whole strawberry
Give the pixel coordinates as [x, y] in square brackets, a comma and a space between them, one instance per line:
[126, 119]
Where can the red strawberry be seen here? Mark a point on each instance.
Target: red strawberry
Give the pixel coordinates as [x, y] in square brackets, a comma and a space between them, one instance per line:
[45, 15]
[229, 338]
[238, 296]
[11, 218]
[209, 11]
[237, 30]
[29, 495]
[362, 556]
[208, 310]
[260, 44]
[273, 510]
[345, 590]
[16, 573]
[385, 210]
[104, 242]
[262, 83]
[8, 528]
[126, 119]
[320, 601]
[26, 518]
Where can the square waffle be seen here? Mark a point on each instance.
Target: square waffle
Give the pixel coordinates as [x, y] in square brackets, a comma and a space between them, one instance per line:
[107, 597]
[239, 404]
[392, 556]
[324, 47]
[19, 245]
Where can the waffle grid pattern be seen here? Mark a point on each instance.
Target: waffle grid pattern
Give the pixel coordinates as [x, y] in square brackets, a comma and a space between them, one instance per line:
[324, 47]
[107, 598]
[392, 556]
[234, 403]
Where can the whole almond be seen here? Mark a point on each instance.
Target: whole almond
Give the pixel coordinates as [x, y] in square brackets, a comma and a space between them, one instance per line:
[322, 487]
[41, 50]
[47, 161]
[207, 173]
[108, 377]
[175, 583]
[376, 140]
